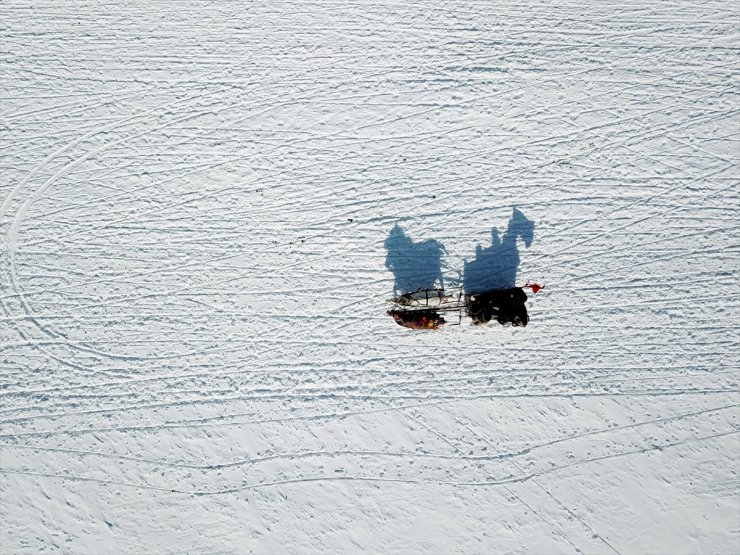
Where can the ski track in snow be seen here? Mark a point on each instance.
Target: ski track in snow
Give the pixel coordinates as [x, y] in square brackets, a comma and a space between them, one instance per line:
[194, 351]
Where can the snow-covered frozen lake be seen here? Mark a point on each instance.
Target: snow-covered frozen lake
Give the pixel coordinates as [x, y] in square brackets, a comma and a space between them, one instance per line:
[198, 203]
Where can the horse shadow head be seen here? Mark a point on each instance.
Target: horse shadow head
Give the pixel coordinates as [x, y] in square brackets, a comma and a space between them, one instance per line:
[495, 267]
[415, 265]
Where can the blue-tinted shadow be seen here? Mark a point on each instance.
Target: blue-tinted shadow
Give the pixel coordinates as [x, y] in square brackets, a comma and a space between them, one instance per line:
[495, 267]
[415, 265]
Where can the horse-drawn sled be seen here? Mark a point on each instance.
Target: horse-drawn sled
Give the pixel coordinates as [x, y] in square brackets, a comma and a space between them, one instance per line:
[426, 308]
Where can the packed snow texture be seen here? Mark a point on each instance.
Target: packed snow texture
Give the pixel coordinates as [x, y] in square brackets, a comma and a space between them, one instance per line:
[196, 201]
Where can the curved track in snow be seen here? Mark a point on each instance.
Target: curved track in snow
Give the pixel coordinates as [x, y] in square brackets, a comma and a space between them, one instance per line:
[194, 351]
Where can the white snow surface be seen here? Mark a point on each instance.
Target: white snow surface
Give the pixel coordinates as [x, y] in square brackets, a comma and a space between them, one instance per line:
[194, 350]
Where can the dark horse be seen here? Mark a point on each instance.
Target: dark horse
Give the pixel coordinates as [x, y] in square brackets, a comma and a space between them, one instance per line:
[495, 267]
[415, 265]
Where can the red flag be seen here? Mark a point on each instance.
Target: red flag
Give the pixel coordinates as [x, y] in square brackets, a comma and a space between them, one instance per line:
[534, 287]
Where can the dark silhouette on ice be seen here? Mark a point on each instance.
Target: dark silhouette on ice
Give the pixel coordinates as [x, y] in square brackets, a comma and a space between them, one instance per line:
[415, 265]
[488, 282]
[495, 267]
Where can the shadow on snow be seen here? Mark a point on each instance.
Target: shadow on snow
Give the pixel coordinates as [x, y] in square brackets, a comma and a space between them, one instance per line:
[495, 267]
[418, 265]
[415, 265]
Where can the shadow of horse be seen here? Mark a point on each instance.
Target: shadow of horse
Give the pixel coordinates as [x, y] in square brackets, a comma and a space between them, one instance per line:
[495, 267]
[415, 265]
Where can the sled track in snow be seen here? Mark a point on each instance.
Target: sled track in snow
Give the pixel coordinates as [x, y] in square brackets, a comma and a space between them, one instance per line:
[192, 218]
